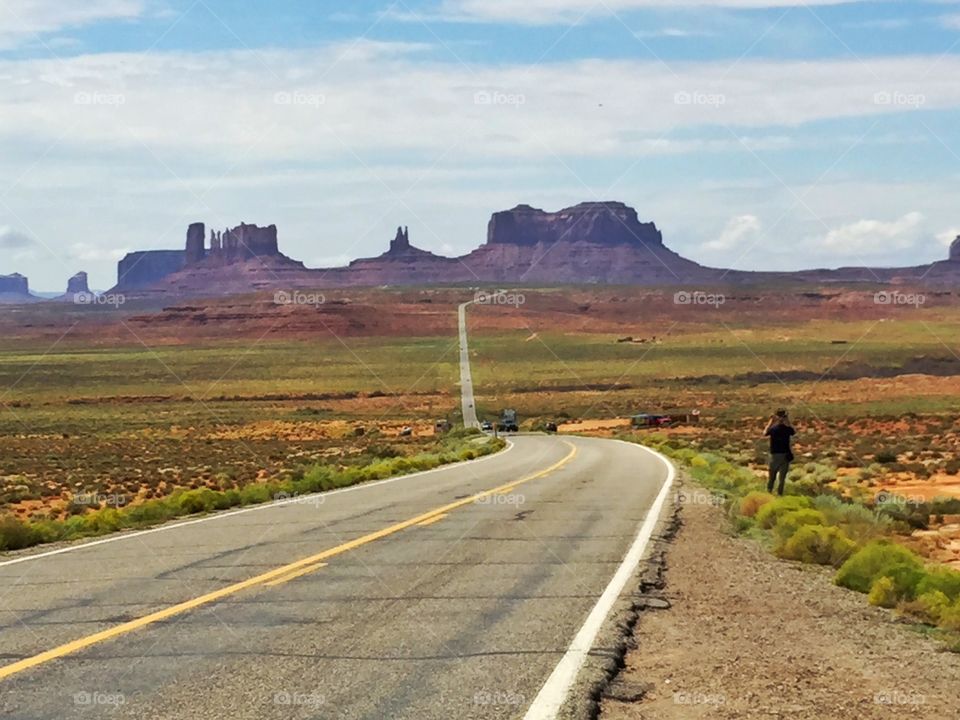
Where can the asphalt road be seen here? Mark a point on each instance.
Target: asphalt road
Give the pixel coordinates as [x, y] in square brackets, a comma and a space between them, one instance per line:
[464, 616]
[467, 403]
[472, 591]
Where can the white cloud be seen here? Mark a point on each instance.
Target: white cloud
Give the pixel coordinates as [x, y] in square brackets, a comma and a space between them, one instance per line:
[284, 105]
[873, 237]
[740, 231]
[87, 252]
[12, 239]
[563, 11]
[25, 20]
[951, 22]
[947, 237]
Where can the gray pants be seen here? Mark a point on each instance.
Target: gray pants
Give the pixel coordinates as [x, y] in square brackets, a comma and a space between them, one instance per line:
[779, 467]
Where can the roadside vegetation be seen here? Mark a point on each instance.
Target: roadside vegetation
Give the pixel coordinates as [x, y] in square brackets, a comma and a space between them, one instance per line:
[817, 523]
[376, 463]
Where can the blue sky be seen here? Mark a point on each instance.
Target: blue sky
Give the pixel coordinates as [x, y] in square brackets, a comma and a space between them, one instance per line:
[760, 134]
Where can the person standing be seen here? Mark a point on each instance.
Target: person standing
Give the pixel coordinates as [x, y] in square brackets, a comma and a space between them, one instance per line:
[779, 430]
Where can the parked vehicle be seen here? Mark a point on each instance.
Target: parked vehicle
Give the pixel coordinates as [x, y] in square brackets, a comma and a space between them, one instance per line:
[486, 426]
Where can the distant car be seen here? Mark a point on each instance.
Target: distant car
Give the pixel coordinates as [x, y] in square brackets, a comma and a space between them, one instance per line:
[407, 431]
[551, 427]
[486, 426]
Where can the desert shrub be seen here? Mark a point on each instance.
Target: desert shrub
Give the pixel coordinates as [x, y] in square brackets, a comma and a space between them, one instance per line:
[943, 580]
[950, 618]
[817, 544]
[789, 523]
[883, 593]
[753, 501]
[15, 535]
[861, 524]
[768, 515]
[197, 501]
[255, 494]
[927, 607]
[886, 457]
[874, 560]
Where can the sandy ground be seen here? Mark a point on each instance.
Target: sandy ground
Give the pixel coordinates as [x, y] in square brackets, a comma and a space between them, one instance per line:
[751, 636]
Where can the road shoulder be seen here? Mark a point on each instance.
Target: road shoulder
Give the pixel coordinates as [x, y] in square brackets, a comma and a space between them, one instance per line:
[741, 634]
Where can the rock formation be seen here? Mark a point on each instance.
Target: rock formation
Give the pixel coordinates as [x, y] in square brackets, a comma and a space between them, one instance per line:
[599, 223]
[594, 242]
[78, 285]
[140, 270]
[15, 284]
[195, 251]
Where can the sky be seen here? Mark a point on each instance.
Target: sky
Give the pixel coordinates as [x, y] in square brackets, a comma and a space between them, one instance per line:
[757, 134]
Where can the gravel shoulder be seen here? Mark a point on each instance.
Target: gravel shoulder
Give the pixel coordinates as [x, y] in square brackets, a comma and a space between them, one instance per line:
[750, 636]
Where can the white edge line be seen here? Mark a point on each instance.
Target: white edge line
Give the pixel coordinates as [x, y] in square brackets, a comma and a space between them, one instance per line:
[254, 508]
[554, 692]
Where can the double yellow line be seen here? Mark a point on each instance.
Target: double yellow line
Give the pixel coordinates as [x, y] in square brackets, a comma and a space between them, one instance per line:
[274, 577]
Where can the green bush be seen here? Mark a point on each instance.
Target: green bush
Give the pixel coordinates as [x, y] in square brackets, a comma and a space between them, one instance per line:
[790, 522]
[818, 544]
[927, 608]
[873, 561]
[950, 618]
[198, 501]
[768, 515]
[943, 580]
[883, 593]
[15, 535]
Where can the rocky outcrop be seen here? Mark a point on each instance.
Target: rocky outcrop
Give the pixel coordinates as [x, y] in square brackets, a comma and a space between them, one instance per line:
[15, 290]
[599, 223]
[15, 284]
[594, 242]
[78, 284]
[228, 246]
[140, 270]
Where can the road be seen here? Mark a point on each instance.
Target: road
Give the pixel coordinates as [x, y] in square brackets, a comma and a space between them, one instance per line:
[467, 403]
[472, 591]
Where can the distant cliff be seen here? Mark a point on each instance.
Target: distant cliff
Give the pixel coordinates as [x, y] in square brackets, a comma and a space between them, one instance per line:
[593, 242]
[599, 223]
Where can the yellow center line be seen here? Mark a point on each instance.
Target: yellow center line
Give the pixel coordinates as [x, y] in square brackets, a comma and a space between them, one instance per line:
[303, 571]
[431, 521]
[75, 646]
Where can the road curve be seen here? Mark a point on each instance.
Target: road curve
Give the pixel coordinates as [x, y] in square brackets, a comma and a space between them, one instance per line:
[464, 614]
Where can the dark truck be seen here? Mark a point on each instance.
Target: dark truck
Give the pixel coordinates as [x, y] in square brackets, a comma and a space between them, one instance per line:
[508, 421]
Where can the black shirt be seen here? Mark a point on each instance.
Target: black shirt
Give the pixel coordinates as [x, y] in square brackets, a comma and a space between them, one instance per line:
[780, 439]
